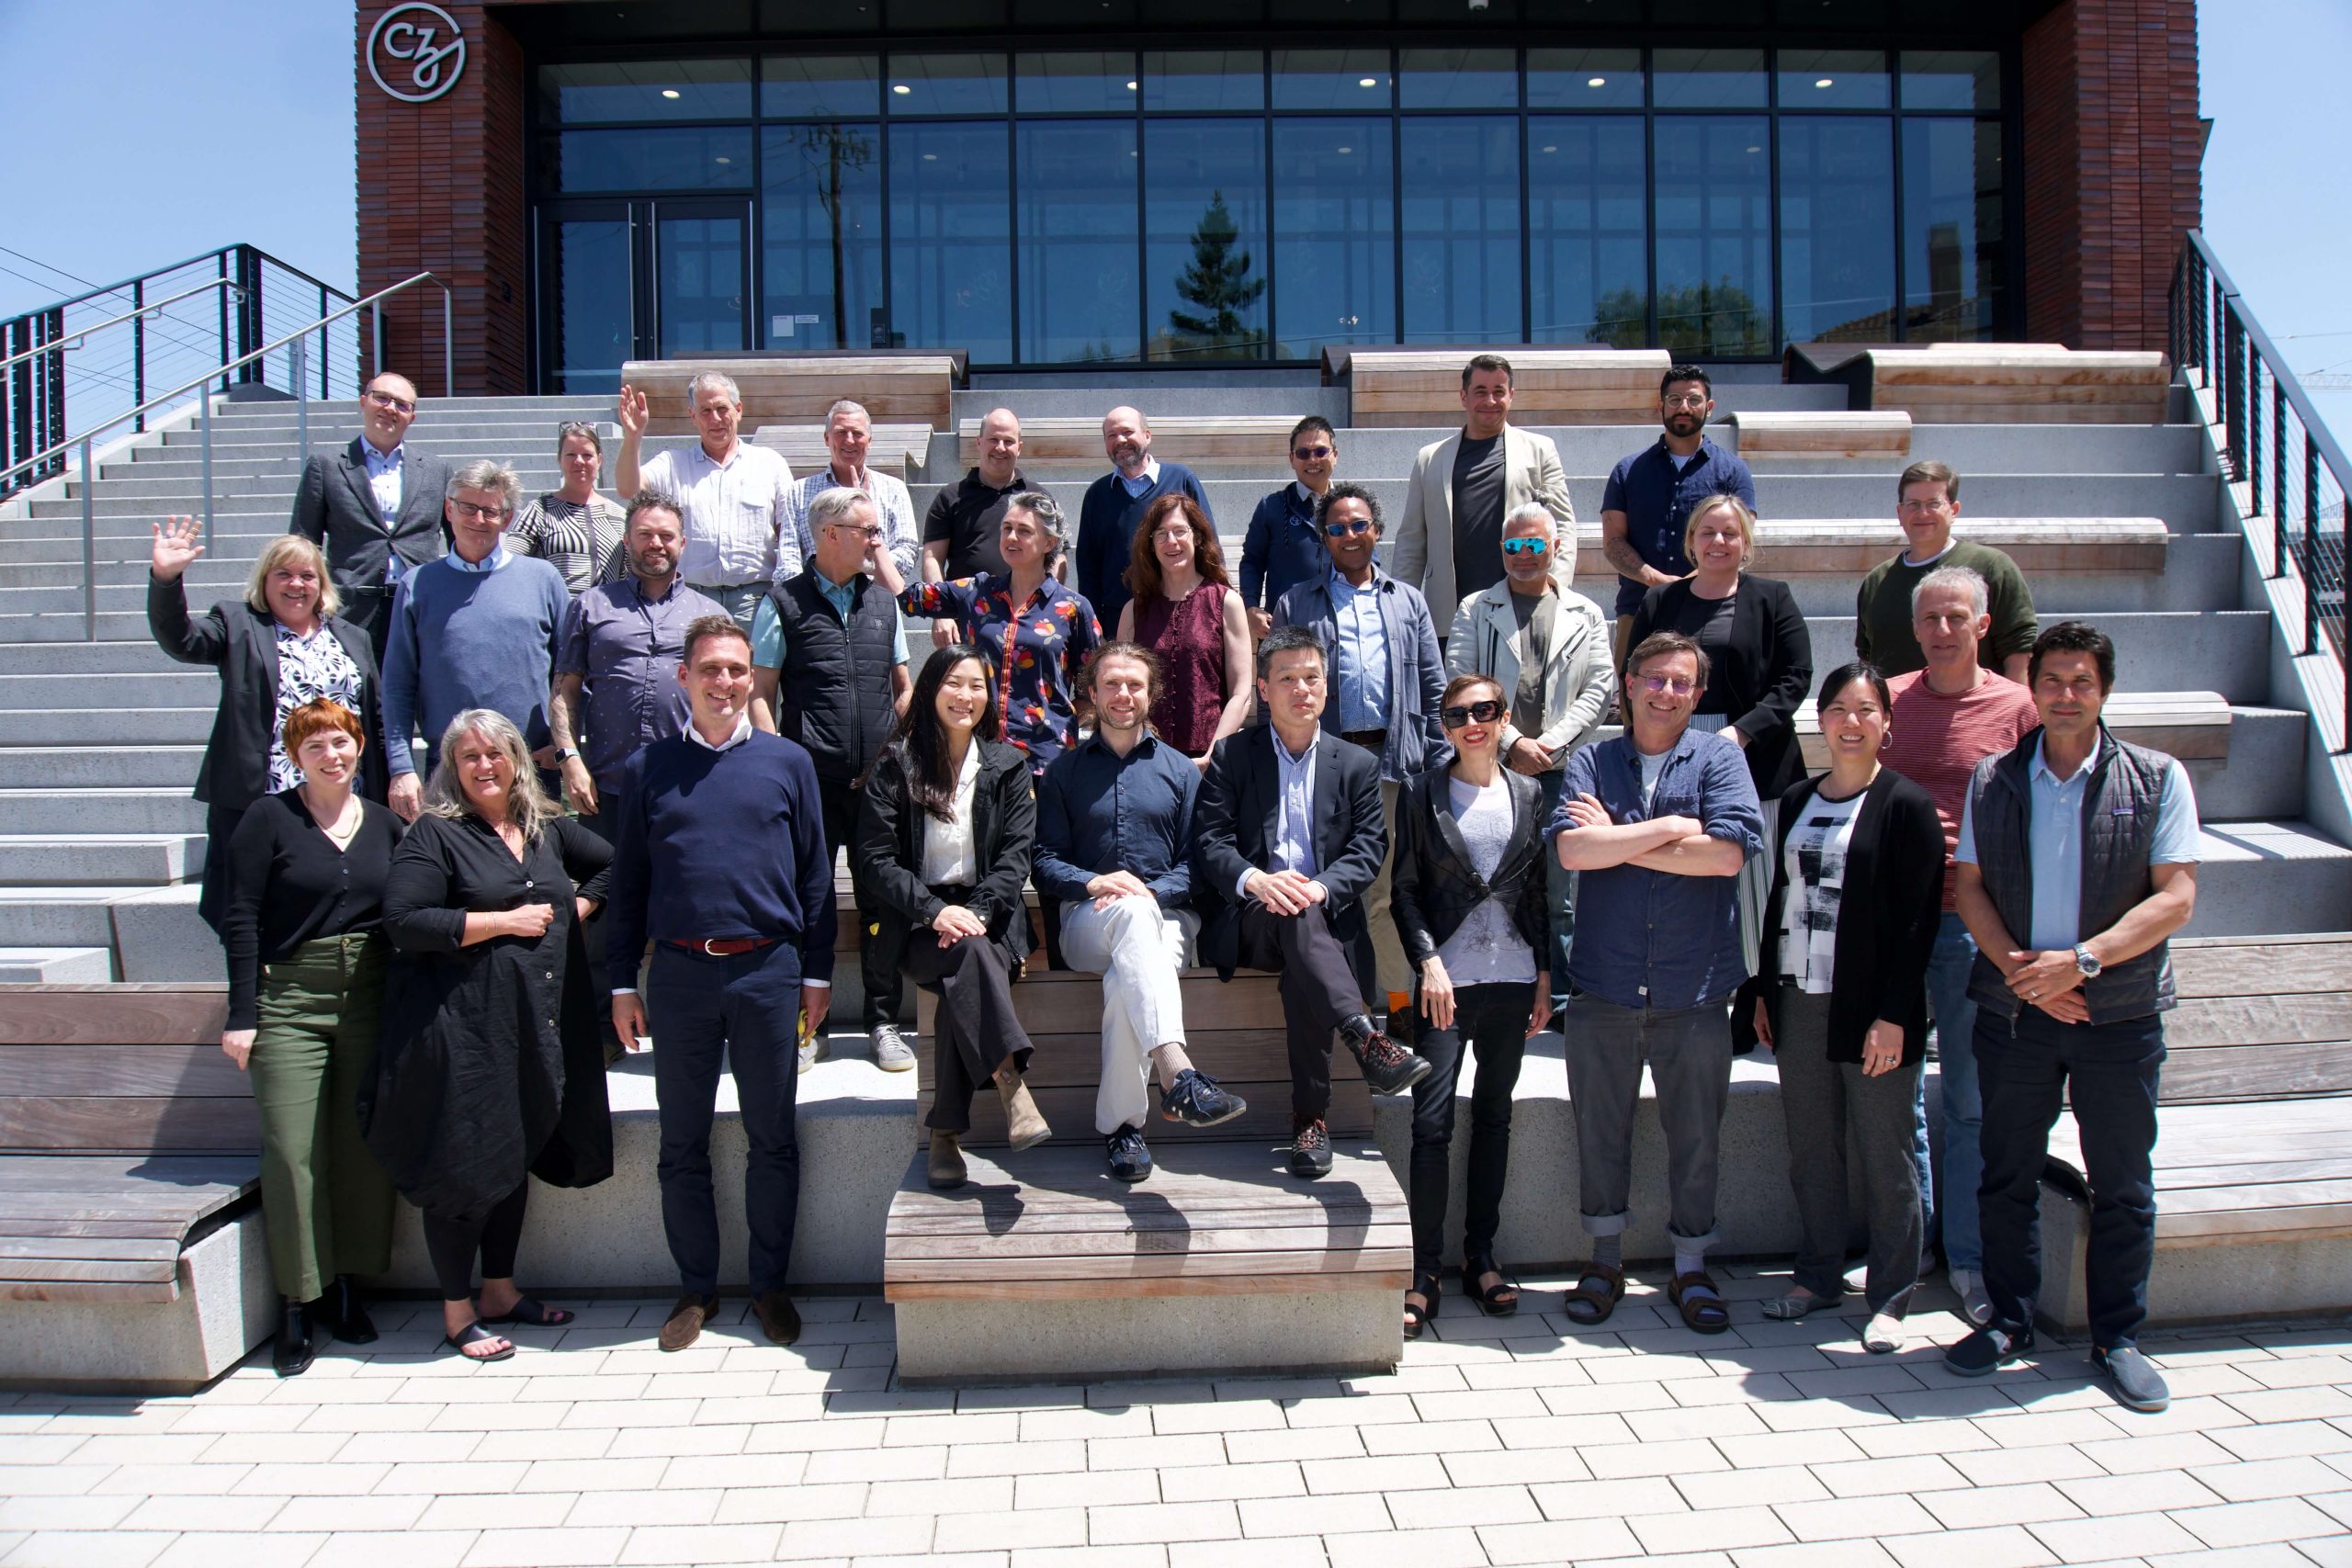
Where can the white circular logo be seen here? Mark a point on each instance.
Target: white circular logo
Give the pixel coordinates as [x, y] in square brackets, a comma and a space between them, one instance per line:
[423, 47]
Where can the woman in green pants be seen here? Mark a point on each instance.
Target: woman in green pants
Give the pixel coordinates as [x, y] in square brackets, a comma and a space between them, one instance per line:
[307, 868]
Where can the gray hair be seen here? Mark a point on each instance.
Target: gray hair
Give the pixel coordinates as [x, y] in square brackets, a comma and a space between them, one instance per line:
[719, 379]
[1529, 512]
[845, 405]
[528, 805]
[1966, 578]
[582, 428]
[833, 504]
[486, 473]
[1043, 508]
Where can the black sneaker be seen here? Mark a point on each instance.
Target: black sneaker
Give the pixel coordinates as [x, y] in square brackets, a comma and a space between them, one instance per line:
[1130, 1161]
[1196, 1100]
[1990, 1348]
[2134, 1378]
[1388, 1067]
[1310, 1151]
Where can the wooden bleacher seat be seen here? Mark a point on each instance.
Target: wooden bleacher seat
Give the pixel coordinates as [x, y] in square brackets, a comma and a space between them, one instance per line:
[1043, 1267]
[901, 389]
[1549, 385]
[2019, 384]
[1850, 546]
[2191, 725]
[1061, 443]
[1882, 435]
[895, 449]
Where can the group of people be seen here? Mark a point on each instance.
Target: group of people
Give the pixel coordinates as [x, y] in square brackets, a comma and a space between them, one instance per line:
[656, 730]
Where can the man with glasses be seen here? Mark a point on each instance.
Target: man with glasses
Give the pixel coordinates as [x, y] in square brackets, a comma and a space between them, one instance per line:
[849, 435]
[1548, 647]
[829, 670]
[1928, 504]
[1656, 824]
[1385, 679]
[734, 497]
[1114, 508]
[1283, 547]
[1462, 488]
[375, 507]
[476, 630]
[1651, 493]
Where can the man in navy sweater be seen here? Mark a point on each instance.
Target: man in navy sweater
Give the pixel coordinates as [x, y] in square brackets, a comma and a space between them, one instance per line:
[721, 861]
[1114, 505]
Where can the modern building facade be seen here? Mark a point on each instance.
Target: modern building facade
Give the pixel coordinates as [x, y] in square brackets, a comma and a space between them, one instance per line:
[1052, 184]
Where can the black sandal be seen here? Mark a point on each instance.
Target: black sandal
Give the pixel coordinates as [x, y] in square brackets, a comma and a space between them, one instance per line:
[1599, 1289]
[533, 1314]
[1417, 1318]
[475, 1334]
[1501, 1300]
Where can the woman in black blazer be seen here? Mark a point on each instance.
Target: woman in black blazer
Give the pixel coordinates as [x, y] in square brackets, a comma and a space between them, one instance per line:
[943, 838]
[1841, 1000]
[1468, 893]
[1759, 656]
[282, 646]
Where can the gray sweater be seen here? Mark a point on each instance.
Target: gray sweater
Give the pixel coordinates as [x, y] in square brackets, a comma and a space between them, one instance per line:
[471, 639]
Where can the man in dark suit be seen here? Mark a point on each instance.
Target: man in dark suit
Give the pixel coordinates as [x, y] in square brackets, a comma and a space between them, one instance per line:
[1287, 840]
[375, 507]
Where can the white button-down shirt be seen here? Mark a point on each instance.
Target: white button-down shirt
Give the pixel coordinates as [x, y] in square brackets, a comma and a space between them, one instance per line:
[734, 513]
[949, 851]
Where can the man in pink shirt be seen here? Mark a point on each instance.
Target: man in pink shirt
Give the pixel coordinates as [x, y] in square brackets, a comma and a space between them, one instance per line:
[1946, 718]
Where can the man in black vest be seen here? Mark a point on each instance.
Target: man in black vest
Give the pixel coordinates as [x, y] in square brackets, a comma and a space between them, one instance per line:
[829, 660]
[2077, 859]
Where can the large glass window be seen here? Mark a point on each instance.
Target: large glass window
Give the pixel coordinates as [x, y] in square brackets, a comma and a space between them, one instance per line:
[951, 239]
[1587, 230]
[1459, 79]
[1583, 78]
[1203, 80]
[1204, 240]
[1077, 229]
[1836, 229]
[1332, 79]
[1833, 79]
[946, 84]
[1952, 229]
[811, 87]
[1950, 79]
[1075, 82]
[1335, 235]
[698, 158]
[1461, 251]
[821, 236]
[1708, 78]
[1715, 234]
[650, 90]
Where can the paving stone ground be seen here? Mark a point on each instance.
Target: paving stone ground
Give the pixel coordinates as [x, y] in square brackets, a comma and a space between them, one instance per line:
[1516, 1440]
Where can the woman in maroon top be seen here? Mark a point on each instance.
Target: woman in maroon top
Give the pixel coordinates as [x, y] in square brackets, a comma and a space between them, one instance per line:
[1185, 610]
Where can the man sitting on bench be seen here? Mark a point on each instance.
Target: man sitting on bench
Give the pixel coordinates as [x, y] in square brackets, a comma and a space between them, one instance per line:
[1113, 815]
[1287, 838]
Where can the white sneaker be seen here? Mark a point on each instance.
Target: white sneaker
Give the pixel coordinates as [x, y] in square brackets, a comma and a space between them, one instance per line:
[1883, 1335]
[812, 1051]
[1974, 1304]
[891, 1052]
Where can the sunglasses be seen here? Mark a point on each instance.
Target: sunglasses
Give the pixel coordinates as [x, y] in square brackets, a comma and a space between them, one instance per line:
[1525, 546]
[1310, 454]
[1476, 713]
[1341, 530]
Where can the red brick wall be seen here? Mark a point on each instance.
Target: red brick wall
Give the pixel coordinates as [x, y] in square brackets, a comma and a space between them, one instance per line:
[2111, 167]
[441, 191]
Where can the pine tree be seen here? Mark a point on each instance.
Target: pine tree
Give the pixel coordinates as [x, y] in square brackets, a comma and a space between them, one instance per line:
[1218, 285]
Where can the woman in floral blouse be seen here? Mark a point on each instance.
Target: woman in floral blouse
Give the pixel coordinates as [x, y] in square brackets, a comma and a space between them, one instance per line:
[1037, 633]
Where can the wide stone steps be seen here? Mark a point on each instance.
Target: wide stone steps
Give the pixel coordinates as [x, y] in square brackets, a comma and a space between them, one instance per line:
[52, 810]
[143, 766]
[105, 726]
[100, 860]
[56, 965]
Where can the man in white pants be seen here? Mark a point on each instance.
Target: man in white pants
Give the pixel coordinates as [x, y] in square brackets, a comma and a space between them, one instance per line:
[1114, 816]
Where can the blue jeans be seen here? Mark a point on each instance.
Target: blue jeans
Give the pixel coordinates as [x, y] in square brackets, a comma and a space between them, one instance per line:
[1560, 896]
[1955, 1020]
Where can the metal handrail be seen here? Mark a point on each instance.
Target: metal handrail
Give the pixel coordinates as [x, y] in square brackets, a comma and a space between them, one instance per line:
[217, 251]
[81, 336]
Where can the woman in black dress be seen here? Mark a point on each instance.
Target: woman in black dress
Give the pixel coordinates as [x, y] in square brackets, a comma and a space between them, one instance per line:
[491, 1064]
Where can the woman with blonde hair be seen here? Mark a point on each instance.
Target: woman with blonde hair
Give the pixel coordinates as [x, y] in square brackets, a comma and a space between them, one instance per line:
[491, 1063]
[280, 646]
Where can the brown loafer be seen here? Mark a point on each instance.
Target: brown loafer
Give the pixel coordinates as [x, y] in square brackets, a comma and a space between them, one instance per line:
[686, 1319]
[778, 1316]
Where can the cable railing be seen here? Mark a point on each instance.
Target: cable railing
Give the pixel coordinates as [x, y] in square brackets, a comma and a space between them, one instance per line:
[82, 361]
[291, 351]
[2273, 441]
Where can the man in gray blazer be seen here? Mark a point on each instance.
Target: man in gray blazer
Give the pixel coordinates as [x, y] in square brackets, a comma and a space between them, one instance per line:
[375, 507]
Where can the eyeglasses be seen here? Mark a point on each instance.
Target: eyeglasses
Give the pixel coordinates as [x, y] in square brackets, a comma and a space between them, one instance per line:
[386, 400]
[1526, 546]
[1481, 713]
[1341, 530]
[479, 513]
[1680, 685]
[1688, 401]
[1310, 454]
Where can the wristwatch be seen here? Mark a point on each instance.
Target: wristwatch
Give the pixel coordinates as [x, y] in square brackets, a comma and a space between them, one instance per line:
[566, 753]
[2085, 962]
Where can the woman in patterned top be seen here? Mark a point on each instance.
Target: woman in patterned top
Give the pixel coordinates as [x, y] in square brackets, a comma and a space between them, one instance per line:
[1036, 633]
[574, 529]
[1842, 1001]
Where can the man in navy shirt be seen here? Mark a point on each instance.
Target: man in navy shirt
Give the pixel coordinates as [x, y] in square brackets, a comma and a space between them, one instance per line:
[721, 860]
[1114, 819]
[1283, 547]
[1115, 504]
[1651, 493]
[1658, 823]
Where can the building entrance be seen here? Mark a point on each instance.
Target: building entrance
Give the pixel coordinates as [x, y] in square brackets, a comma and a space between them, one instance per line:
[640, 279]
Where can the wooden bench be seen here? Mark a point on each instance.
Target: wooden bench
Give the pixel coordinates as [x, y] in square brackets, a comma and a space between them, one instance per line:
[895, 449]
[1884, 436]
[1064, 443]
[797, 389]
[1549, 385]
[2254, 1151]
[1044, 1268]
[1851, 547]
[2019, 384]
[2191, 725]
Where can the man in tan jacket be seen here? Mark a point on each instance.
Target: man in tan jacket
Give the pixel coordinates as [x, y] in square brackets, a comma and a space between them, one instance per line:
[1449, 543]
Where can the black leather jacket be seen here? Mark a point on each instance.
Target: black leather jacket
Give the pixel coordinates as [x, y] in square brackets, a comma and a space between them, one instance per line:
[1433, 886]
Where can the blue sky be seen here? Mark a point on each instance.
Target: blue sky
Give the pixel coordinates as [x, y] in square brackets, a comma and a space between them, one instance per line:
[188, 124]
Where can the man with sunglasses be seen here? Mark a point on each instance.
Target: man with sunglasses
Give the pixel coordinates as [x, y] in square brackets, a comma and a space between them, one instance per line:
[1548, 647]
[1283, 547]
[375, 507]
[1657, 823]
[1650, 495]
[1463, 487]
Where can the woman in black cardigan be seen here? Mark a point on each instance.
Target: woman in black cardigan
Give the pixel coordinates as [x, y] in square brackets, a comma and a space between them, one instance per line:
[945, 833]
[1841, 1000]
[282, 646]
[1759, 656]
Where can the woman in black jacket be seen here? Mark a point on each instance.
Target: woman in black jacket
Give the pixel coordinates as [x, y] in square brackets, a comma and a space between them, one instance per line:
[943, 839]
[1760, 656]
[282, 646]
[1468, 893]
[1841, 1000]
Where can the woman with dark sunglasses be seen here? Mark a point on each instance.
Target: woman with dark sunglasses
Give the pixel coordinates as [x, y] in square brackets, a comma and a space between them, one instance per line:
[1468, 897]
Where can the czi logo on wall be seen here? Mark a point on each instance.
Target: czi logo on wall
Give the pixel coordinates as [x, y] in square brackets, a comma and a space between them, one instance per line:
[420, 47]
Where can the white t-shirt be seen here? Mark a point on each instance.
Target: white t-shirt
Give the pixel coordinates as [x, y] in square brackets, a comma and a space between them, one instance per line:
[1816, 860]
[1651, 768]
[1485, 949]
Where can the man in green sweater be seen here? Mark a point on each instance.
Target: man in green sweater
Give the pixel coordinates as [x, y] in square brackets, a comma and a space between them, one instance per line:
[1929, 504]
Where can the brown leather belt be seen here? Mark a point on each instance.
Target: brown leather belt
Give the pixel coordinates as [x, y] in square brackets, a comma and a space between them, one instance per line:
[725, 946]
[1370, 739]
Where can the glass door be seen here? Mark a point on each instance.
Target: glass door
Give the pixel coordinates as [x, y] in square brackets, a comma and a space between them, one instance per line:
[649, 278]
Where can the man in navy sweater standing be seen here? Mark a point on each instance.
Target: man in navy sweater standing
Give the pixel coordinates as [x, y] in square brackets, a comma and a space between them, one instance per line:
[1114, 505]
[721, 861]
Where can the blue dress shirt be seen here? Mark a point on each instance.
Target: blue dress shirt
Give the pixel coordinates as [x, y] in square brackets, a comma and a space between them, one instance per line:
[1360, 661]
[1098, 812]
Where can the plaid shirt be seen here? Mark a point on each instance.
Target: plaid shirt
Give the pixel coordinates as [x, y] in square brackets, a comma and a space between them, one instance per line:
[1037, 652]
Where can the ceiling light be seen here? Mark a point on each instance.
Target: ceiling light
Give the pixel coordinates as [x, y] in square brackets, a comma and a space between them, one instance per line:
[1347, 149]
[726, 160]
[900, 88]
[1369, 82]
[930, 157]
[1755, 149]
[1551, 149]
[668, 92]
[1597, 81]
[1827, 82]
[1131, 86]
